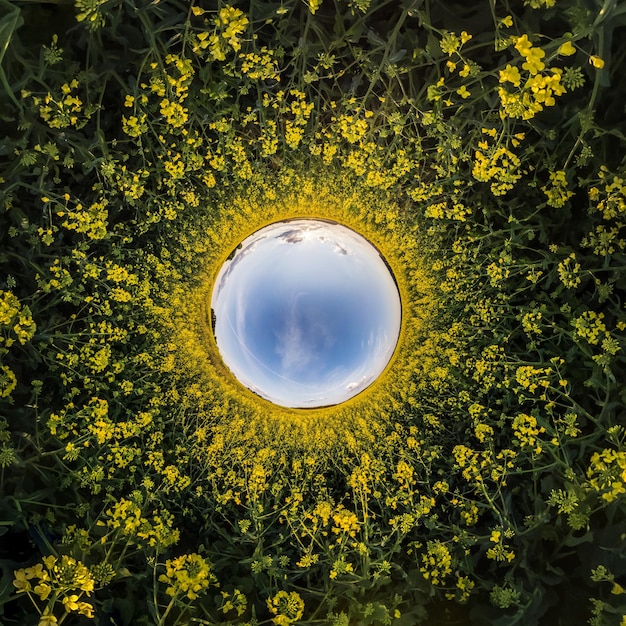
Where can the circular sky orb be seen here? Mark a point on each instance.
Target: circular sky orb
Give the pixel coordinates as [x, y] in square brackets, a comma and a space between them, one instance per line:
[306, 313]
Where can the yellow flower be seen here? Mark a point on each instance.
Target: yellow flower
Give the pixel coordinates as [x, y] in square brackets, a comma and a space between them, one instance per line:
[567, 49]
[43, 590]
[510, 74]
[21, 581]
[463, 92]
[47, 619]
[84, 608]
[188, 575]
[523, 45]
[287, 607]
[533, 62]
[36, 571]
[8, 381]
[70, 603]
[557, 192]
[436, 562]
[233, 23]
[597, 62]
[49, 561]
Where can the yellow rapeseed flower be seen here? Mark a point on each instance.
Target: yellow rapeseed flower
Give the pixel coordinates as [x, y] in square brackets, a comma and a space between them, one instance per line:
[47, 619]
[8, 381]
[523, 45]
[566, 49]
[510, 74]
[287, 607]
[597, 62]
[70, 602]
[618, 590]
[20, 581]
[533, 63]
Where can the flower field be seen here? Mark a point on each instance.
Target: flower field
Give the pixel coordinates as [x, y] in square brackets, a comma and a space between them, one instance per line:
[480, 146]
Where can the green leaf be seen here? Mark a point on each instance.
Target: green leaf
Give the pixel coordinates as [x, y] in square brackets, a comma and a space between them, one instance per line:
[576, 541]
[11, 20]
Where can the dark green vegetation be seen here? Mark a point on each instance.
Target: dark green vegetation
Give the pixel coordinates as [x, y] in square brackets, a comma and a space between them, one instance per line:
[486, 485]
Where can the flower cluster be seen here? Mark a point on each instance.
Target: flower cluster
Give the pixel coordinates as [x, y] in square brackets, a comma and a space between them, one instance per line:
[16, 323]
[538, 89]
[60, 583]
[557, 192]
[608, 198]
[16, 320]
[188, 575]
[436, 563]
[286, 607]
[64, 109]
[607, 473]
[229, 25]
[499, 550]
[496, 165]
[527, 432]
[127, 516]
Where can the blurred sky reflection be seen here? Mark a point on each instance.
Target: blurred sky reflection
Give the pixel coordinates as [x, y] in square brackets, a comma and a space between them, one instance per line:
[306, 313]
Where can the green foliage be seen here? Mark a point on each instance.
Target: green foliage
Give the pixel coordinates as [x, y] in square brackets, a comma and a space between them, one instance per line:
[480, 146]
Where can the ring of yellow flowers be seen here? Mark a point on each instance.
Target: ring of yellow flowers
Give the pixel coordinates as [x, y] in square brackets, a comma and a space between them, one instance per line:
[319, 194]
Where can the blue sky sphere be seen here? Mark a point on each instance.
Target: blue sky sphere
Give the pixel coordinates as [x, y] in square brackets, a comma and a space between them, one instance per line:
[306, 312]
